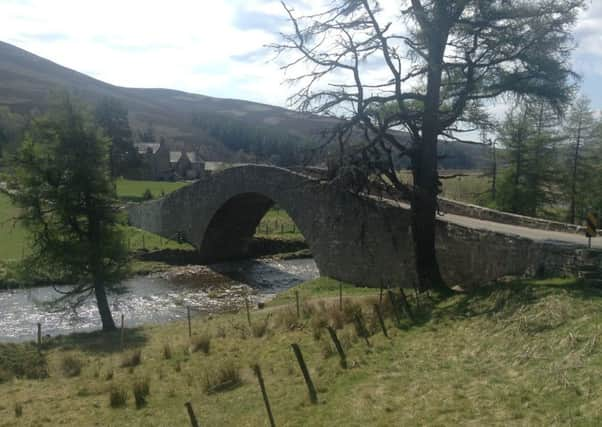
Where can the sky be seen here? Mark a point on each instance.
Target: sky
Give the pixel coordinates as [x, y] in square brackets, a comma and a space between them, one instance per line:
[212, 48]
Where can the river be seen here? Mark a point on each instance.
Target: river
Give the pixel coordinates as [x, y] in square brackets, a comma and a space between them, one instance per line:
[154, 299]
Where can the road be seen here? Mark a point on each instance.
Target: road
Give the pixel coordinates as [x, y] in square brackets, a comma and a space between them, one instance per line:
[538, 235]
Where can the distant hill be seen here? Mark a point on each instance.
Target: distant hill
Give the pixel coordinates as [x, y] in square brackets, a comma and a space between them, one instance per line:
[28, 82]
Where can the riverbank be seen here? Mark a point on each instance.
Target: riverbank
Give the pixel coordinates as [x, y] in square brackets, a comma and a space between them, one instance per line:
[161, 257]
[523, 353]
[156, 298]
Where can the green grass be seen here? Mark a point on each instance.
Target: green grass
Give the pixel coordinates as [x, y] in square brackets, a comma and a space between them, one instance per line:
[134, 190]
[525, 353]
[468, 187]
[276, 223]
[12, 235]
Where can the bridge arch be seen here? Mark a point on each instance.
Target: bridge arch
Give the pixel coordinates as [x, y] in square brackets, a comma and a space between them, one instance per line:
[349, 236]
[232, 227]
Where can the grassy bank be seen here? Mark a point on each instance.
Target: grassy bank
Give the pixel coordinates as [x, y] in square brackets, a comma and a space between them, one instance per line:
[521, 354]
[276, 233]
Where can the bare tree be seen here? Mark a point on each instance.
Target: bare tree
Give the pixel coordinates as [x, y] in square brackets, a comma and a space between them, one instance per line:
[427, 71]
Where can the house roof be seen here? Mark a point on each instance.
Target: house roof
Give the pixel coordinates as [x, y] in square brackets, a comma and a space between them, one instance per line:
[174, 156]
[145, 147]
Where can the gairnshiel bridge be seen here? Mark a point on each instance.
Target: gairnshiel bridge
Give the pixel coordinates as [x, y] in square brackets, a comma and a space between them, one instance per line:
[361, 239]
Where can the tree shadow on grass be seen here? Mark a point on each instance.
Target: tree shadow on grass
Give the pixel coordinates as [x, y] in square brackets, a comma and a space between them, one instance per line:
[99, 342]
[509, 297]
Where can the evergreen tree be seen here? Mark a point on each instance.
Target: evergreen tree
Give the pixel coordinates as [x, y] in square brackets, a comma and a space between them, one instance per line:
[579, 129]
[112, 117]
[68, 203]
[527, 134]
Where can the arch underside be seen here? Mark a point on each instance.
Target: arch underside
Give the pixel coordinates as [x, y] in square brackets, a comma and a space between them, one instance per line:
[232, 227]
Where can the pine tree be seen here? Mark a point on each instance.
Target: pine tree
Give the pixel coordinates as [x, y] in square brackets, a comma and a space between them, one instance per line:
[68, 203]
[527, 134]
[112, 117]
[579, 127]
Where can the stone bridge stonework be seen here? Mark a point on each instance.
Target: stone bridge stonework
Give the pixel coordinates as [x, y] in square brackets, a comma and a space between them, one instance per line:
[353, 238]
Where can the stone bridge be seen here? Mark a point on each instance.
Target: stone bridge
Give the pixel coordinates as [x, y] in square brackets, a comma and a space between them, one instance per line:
[354, 238]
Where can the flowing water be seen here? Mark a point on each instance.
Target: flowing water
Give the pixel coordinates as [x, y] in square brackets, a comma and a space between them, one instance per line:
[156, 298]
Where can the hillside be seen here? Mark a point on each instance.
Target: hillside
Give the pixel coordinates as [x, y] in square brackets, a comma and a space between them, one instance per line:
[525, 353]
[28, 83]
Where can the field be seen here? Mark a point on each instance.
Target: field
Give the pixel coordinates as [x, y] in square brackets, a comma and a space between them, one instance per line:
[278, 224]
[465, 186]
[12, 235]
[134, 190]
[525, 353]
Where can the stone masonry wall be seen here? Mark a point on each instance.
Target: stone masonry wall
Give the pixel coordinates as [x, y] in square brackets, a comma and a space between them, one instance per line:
[353, 238]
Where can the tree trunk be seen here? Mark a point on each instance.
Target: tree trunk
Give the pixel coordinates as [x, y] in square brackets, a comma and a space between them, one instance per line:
[426, 178]
[108, 324]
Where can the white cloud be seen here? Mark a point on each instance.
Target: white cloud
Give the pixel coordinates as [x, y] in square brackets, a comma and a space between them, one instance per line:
[213, 48]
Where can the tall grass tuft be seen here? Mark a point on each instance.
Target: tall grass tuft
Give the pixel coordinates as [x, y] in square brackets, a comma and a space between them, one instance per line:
[71, 366]
[167, 351]
[225, 377]
[200, 343]
[117, 397]
[141, 390]
[132, 359]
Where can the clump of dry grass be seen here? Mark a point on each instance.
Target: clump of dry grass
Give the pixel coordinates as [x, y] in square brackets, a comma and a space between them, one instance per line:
[141, 390]
[167, 351]
[259, 329]
[18, 410]
[117, 396]
[71, 366]
[224, 377]
[287, 317]
[200, 343]
[131, 359]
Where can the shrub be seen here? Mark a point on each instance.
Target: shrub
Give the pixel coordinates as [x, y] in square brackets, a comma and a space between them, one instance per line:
[200, 343]
[147, 195]
[141, 390]
[132, 359]
[117, 397]
[225, 377]
[18, 410]
[71, 366]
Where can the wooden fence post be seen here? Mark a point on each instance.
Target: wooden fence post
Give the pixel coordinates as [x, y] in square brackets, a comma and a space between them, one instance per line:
[264, 393]
[381, 320]
[313, 396]
[406, 305]
[338, 346]
[248, 309]
[122, 338]
[395, 307]
[193, 420]
[340, 296]
[189, 323]
[39, 336]
[297, 300]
